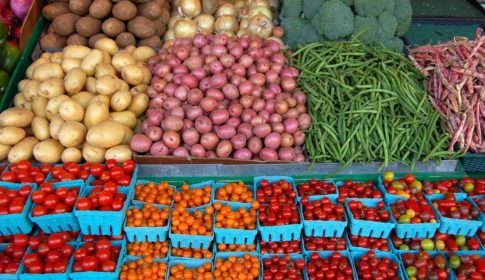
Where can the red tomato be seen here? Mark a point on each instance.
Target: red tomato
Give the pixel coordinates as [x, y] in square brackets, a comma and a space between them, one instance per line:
[62, 192]
[120, 196]
[21, 240]
[10, 268]
[34, 242]
[4, 200]
[83, 203]
[90, 263]
[18, 252]
[39, 210]
[56, 171]
[8, 176]
[23, 165]
[43, 249]
[61, 208]
[16, 206]
[105, 198]
[80, 253]
[103, 244]
[86, 166]
[53, 256]
[36, 267]
[51, 201]
[97, 183]
[111, 163]
[56, 241]
[117, 204]
[128, 166]
[96, 169]
[47, 187]
[11, 193]
[105, 176]
[71, 198]
[25, 191]
[124, 180]
[84, 174]
[90, 246]
[39, 178]
[103, 255]
[111, 187]
[108, 266]
[61, 266]
[38, 196]
[77, 266]
[409, 179]
[67, 250]
[30, 258]
[22, 174]
[73, 168]
[45, 168]
[116, 173]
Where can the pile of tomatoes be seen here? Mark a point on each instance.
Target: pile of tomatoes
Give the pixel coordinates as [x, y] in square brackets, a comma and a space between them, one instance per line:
[54, 201]
[245, 267]
[152, 249]
[451, 208]
[99, 256]
[235, 192]
[281, 247]
[322, 210]
[325, 243]
[144, 268]
[380, 244]
[103, 198]
[284, 267]
[369, 266]
[13, 201]
[316, 187]
[336, 266]
[423, 266]
[188, 197]
[148, 216]
[282, 208]
[23, 172]
[158, 193]
[375, 214]
[112, 172]
[351, 189]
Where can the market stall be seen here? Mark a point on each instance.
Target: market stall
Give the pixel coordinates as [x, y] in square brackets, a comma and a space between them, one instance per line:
[242, 139]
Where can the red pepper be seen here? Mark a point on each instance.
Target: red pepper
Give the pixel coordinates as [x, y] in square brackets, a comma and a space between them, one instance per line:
[412, 204]
[445, 203]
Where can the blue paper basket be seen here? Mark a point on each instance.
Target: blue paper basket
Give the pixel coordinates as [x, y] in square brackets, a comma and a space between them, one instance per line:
[147, 234]
[23, 275]
[280, 233]
[328, 254]
[460, 253]
[236, 236]
[432, 254]
[170, 257]
[457, 226]
[59, 222]
[95, 275]
[332, 196]
[219, 185]
[9, 276]
[102, 222]
[422, 230]
[369, 228]
[379, 254]
[191, 241]
[323, 228]
[138, 202]
[482, 215]
[353, 248]
[91, 178]
[192, 263]
[271, 179]
[17, 223]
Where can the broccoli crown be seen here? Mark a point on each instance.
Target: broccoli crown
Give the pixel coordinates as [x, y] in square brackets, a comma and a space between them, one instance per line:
[291, 8]
[334, 20]
[310, 8]
[395, 44]
[403, 13]
[369, 8]
[348, 2]
[293, 27]
[366, 29]
[310, 35]
[387, 27]
[389, 6]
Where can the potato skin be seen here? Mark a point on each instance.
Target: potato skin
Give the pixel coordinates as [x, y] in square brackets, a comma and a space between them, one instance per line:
[106, 134]
[113, 26]
[80, 7]
[11, 135]
[141, 27]
[119, 153]
[65, 24]
[124, 10]
[55, 9]
[71, 155]
[100, 8]
[96, 112]
[40, 128]
[125, 39]
[76, 39]
[88, 26]
[48, 151]
[72, 134]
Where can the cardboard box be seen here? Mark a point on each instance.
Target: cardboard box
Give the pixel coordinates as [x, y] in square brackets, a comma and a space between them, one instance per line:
[29, 22]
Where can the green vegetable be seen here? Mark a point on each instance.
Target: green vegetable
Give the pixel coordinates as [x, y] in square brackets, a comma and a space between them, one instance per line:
[387, 27]
[395, 44]
[368, 104]
[403, 12]
[291, 8]
[3, 80]
[310, 8]
[367, 28]
[369, 8]
[3, 34]
[293, 25]
[389, 6]
[10, 54]
[334, 20]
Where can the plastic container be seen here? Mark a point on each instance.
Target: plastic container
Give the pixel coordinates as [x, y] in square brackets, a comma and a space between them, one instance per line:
[461, 253]
[369, 228]
[328, 254]
[102, 222]
[23, 275]
[171, 257]
[379, 254]
[432, 254]
[146, 234]
[236, 236]
[59, 222]
[421, 230]
[138, 202]
[271, 179]
[219, 185]
[191, 241]
[91, 178]
[332, 196]
[6, 276]
[457, 226]
[306, 251]
[17, 223]
[95, 275]
[201, 185]
[322, 228]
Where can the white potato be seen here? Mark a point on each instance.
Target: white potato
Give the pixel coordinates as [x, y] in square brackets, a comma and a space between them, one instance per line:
[72, 134]
[75, 51]
[38, 106]
[52, 88]
[11, 135]
[107, 84]
[22, 84]
[47, 71]
[4, 149]
[69, 63]
[16, 117]
[40, 128]
[143, 53]
[127, 118]
[104, 69]
[96, 112]
[91, 85]
[122, 59]
[90, 62]
[93, 154]
[29, 73]
[119, 153]
[23, 150]
[138, 89]
[106, 134]
[108, 45]
[19, 100]
[71, 110]
[120, 100]
[139, 104]
[83, 98]
[71, 155]
[48, 151]
[56, 57]
[52, 107]
[133, 74]
[75, 80]
[55, 126]
[31, 89]
[100, 98]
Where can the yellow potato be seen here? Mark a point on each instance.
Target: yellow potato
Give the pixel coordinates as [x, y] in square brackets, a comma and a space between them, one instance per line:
[106, 57]
[91, 85]
[120, 100]
[71, 155]
[71, 110]
[106, 134]
[55, 126]
[119, 153]
[29, 73]
[11, 135]
[107, 84]
[122, 59]
[128, 135]
[52, 107]
[138, 89]
[100, 98]
[22, 84]
[19, 100]
[69, 63]
[133, 74]
[47, 71]
[38, 106]
[148, 76]
[139, 104]
[51, 88]
[108, 45]
[93, 154]
[72, 134]
[4, 149]
[23, 150]
[96, 112]
[130, 48]
[48, 151]
[127, 118]
[90, 62]
[40, 128]
[143, 53]
[104, 69]
[75, 51]
[56, 57]
[16, 117]
[83, 98]
[75, 80]
[31, 89]
[124, 85]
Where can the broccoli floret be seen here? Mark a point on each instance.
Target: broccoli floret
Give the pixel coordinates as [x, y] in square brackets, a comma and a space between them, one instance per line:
[403, 13]
[310, 8]
[369, 8]
[365, 28]
[389, 6]
[308, 35]
[395, 44]
[334, 20]
[348, 2]
[291, 8]
[293, 27]
[387, 27]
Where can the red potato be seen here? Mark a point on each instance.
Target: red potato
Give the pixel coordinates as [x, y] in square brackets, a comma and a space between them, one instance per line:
[243, 154]
[171, 139]
[197, 150]
[172, 123]
[159, 149]
[194, 96]
[209, 141]
[255, 145]
[238, 141]
[190, 136]
[224, 149]
[208, 104]
[140, 143]
[226, 132]
[219, 116]
[203, 124]
[154, 133]
[268, 154]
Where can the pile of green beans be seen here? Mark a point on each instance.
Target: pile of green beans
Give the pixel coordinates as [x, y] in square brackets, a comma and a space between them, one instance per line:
[368, 104]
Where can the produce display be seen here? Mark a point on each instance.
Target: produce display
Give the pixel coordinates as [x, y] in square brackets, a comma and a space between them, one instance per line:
[54, 201]
[325, 243]
[413, 211]
[145, 266]
[352, 189]
[13, 201]
[316, 187]
[360, 211]
[222, 247]
[80, 104]
[96, 256]
[451, 208]
[415, 244]
[84, 22]
[235, 192]
[282, 247]
[161, 194]
[283, 268]
[467, 266]
[379, 244]
[424, 265]
[370, 266]
[236, 265]
[192, 253]
[217, 97]
[10, 31]
[334, 266]
[371, 21]
[204, 270]
[151, 249]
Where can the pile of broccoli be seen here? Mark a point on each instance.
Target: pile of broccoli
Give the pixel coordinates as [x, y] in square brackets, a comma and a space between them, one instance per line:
[372, 21]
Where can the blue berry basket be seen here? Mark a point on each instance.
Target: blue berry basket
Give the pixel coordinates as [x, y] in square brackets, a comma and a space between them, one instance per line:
[432, 254]
[59, 222]
[191, 241]
[482, 215]
[201, 185]
[102, 222]
[319, 228]
[306, 251]
[353, 248]
[95, 275]
[17, 223]
[332, 196]
[280, 233]
[236, 236]
[271, 179]
[171, 257]
[461, 253]
[328, 254]
[222, 253]
[457, 226]
[138, 202]
[192, 263]
[6, 276]
[23, 275]
[91, 178]
[369, 228]
[357, 255]
[219, 185]
[422, 230]
[146, 234]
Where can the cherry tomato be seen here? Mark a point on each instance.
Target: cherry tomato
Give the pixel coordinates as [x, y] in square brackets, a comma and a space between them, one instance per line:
[96, 169]
[84, 174]
[62, 192]
[71, 198]
[111, 163]
[25, 191]
[30, 258]
[51, 201]
[39, 210]
[103, 254]
[23, 165]
[86, 166]
[45, 168]
[90, 263]
[83, 203]
[53, 256]
[55, 241]
[16, 206]
[77, 266]
[103, 244]
[128, 166]
[409, 179]
[80, 253]
[116, 173]
[21, 240]
[39, 178]
[105, 198]
[36, 267]
[34, 242]
[61, 266]
[124, 180]
[117, 204]
[111, 187]
[4, 200]
[18, 252]
[8, 176]
[11, 193]
[105, 176]
[73, 168]
[10, 268]
[61, 208]
[47, 187]
[108, 266]
[67, 250]
[38, 196]
[90, 246]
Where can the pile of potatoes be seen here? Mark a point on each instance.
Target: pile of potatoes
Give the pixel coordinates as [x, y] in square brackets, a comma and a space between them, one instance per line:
[78, 104]
[83, 22]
